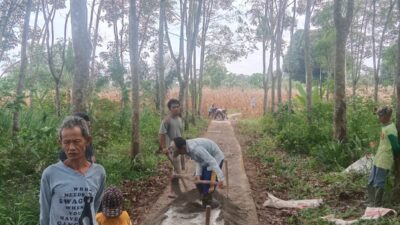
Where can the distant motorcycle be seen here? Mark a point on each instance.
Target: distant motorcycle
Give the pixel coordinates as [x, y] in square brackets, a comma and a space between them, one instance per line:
[220, 114]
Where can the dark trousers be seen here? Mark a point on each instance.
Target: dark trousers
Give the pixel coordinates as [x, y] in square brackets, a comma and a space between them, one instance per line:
[377, 177]
[208, 175]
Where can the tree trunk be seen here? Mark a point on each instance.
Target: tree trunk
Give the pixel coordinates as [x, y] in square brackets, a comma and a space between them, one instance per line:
[32, 46]
[161, 68]
[134, 63]
[192, 32]
[57, 97]
[307, 59]
[121, 40]
[320, 84]
[376, 76]
[22, 70]
[388, 16]
[178, 60]
[91, 16]
[396, 189]
[291, 43]
[205, 23]
[265, 76]
[93, 75]
[270, 74]
[342, 25]
[82, 49]
[273, 80]
[361, 36]
[56, 74]
[3, 25]
[280, 27]
[194, 88]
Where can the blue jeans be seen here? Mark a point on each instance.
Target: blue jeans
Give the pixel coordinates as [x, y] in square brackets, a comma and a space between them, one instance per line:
[208, 175]
[378, 177]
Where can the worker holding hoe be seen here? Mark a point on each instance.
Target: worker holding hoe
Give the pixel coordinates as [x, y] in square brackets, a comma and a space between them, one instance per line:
[170, 128]
[209, 159]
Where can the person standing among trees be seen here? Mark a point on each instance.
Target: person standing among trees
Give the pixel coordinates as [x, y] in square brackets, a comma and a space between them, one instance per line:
[383, 160]
[170, 128]
[71, 190]
[89, 149]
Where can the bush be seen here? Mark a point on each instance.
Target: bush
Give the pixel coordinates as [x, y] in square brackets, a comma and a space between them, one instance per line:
[23, 159]
[295, 134]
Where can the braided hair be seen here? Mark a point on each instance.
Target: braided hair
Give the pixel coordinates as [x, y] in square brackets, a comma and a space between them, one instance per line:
[113, 201]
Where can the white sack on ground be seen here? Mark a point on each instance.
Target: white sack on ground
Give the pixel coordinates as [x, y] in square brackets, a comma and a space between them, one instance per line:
[331, 218]
[369, 214]
[275, 202]
[363, 165]
[374, 213]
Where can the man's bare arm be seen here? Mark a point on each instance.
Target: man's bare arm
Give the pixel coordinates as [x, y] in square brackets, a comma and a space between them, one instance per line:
[162, 141]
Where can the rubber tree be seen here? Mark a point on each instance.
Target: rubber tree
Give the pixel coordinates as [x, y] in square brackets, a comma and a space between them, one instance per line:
[342, 26]
[22, 70]
[55, 72]
[307, 58]
[134, 64]
[280, 27]
[292, 25]
[396, 189]
[161, 66]
[82, 48]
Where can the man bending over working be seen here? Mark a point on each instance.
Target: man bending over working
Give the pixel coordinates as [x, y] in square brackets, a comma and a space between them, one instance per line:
[209, 159]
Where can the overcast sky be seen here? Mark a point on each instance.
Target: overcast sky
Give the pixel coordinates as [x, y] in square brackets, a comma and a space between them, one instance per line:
[246, 65]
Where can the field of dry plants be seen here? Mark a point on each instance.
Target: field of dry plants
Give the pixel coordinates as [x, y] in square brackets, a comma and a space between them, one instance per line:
[239, 99]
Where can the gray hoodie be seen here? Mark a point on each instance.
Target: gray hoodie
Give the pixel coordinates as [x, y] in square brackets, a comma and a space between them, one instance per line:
[70, 198]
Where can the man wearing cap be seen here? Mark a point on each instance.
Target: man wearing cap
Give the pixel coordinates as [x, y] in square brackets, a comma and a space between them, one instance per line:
[383, 160]
[209, 159]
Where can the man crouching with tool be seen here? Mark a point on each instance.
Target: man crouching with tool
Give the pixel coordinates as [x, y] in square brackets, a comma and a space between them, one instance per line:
[209, 159]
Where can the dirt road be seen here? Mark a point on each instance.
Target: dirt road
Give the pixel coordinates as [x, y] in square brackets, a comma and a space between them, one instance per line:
[237, 209]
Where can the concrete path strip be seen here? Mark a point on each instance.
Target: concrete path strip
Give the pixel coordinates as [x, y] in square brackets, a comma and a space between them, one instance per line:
[239, 187]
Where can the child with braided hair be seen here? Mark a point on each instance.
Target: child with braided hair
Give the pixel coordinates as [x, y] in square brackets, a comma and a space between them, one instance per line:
[112, 209]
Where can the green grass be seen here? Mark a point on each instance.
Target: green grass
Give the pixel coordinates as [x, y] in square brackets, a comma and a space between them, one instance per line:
[299, 176]
[23, 160]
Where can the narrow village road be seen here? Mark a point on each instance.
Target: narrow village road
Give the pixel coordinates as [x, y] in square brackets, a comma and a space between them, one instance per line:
[238, 208]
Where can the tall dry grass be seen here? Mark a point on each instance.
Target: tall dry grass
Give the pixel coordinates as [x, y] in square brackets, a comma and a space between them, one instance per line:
[234, 99]
[239, 99]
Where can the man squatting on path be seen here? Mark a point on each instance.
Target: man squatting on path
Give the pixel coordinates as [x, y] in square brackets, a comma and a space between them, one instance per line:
[170, 128]
[71, 190]
[383, 160]
[209, 159]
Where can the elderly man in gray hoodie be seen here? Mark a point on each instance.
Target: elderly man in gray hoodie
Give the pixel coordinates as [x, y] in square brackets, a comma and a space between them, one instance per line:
[209, 159]
[71, 190]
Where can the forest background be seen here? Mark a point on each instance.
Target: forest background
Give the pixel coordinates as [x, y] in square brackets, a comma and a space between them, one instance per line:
[315, 95]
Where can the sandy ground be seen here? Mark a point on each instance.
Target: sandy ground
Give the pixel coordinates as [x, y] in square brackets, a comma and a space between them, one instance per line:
[236, 206]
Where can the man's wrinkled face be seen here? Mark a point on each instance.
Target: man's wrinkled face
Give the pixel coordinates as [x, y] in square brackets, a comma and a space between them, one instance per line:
[175, 109]
[74, 143]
